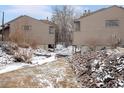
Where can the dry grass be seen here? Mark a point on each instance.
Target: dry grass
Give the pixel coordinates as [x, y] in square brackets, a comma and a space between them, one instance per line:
[114, 42]
[22, 40]
[33, 43]
[17, 37]
[55, 74]
[18, 81]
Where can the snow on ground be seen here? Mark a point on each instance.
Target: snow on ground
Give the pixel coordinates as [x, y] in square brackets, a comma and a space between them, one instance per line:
[102, 68]
[42, 59]
[39, 51]
[39, 57]
[7, 63]
[12, 67]
[61, 50]
[4, 58]
[57, 74]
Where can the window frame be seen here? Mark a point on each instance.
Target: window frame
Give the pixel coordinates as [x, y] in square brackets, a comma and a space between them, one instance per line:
[77, 26]
[25, 26]
[51, 30]
[112, 23]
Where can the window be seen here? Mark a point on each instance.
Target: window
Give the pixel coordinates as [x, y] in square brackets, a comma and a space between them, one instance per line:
[112, 23]
[51, 30]
[77, 26]
[27, 27]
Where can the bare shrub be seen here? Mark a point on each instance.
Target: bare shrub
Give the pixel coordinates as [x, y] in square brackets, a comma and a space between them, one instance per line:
[9, 47]
[17, 37]
[33, 43]
[23, 56]
[24, 45]
[22, 40]
[114, 41]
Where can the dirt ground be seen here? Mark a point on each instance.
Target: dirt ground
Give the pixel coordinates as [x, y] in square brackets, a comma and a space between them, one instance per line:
[56, 74]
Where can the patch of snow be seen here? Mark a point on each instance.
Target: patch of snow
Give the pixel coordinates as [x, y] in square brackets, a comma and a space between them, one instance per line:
[59, 47]
[120, 82]
[109, 51]
[113, 51]
[99, 84]
[36, 60]
[61, 50]
[96, 61]
[7, 63]
[42, 59]
[47, 83]
[99, 79]
[123, 61]
[4, 58]
[107, 76]
[40, 51]
[120, 50]
[12, 67]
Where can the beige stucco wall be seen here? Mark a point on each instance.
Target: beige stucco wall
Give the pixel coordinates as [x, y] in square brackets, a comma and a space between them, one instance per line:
[93, 27]
[39, 30]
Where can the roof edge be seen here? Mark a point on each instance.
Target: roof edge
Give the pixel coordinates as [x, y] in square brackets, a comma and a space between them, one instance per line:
[23, 16]
[99, 10]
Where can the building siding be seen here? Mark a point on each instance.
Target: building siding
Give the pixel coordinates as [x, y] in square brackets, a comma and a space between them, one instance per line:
[39, 31]
[93, 27]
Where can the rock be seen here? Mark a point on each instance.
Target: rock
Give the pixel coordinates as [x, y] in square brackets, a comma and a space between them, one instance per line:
[85, 49]
[100, 67]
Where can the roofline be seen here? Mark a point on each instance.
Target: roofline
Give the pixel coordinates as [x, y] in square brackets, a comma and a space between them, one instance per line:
[51, 23]
[99, 10]
[23, 16]
[13, 19]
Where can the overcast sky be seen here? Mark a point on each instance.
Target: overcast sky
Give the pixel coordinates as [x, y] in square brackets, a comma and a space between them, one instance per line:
[38, 11]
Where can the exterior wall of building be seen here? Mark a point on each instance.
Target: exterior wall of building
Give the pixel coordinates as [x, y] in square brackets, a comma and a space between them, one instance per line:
[38, 31]
[93, 28]
[6, 34]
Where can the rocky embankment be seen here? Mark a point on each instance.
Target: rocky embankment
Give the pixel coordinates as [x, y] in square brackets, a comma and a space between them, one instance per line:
[99, 69]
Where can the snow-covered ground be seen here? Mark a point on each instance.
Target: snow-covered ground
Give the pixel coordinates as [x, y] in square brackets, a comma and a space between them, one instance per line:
[12, 67]
[61, 50]
[42, 59]
[67, 51]
[39, 57]
[99, 66]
